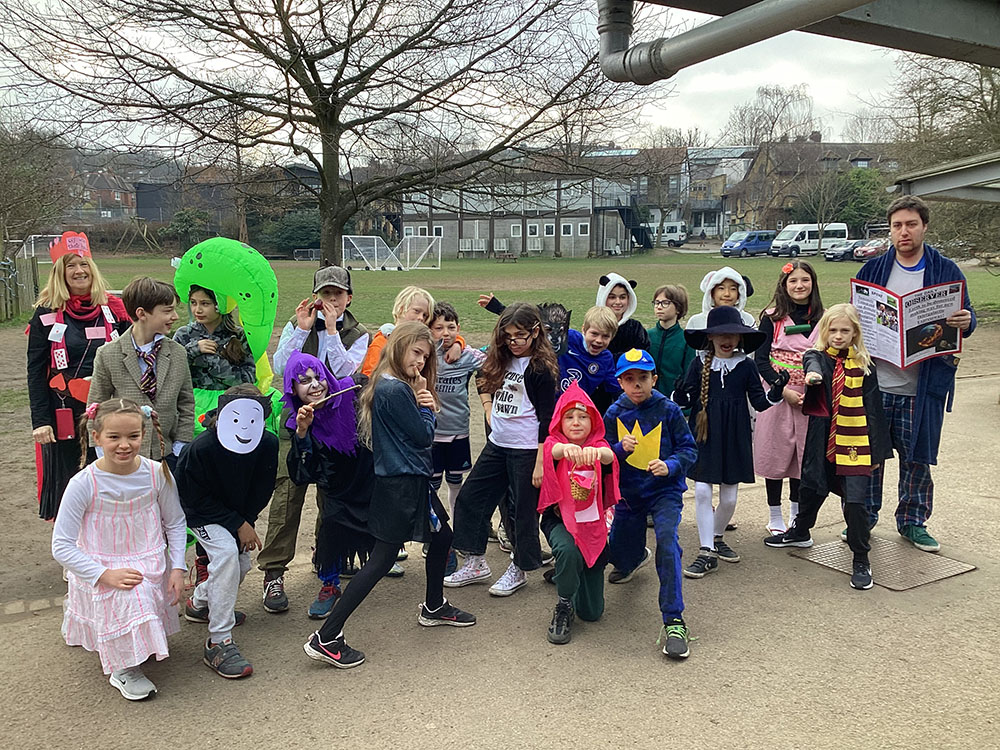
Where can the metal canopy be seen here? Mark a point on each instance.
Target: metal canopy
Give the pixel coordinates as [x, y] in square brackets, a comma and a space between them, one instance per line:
[966, 30]
[975, 179]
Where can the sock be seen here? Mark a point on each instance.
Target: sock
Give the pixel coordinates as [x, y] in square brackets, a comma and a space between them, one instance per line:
[432, 611]
[776, 521]
[704, 514]
[794, 511]
[453, 490]
[727, 507]
[564, 600]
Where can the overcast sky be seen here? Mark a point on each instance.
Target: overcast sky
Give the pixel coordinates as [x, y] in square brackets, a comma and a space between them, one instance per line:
[838, 73]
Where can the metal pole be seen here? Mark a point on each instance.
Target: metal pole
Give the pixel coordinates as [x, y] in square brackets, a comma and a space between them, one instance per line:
[660, 59]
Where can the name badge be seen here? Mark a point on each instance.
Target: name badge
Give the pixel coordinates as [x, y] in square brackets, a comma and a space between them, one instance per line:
[57, 332]
[96, 333]
[107, 314]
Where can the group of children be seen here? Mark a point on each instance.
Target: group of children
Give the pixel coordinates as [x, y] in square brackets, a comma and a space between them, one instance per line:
[588, 440]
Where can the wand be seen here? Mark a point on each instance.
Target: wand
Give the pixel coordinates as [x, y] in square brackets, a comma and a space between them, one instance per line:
[322, 402]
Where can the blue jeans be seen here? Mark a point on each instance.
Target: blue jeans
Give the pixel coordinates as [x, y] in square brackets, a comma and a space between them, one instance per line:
[627, 542]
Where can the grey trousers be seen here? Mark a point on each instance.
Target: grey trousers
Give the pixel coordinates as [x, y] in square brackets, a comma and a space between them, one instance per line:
[227, 567]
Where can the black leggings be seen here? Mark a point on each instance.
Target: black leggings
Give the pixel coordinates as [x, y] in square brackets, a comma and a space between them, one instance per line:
[774, 490]
[379, 562]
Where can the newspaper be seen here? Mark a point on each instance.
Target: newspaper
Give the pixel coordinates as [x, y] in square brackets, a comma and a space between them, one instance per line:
[909, 328]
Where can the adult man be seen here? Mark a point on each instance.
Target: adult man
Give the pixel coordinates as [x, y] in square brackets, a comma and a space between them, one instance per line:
[915, 399]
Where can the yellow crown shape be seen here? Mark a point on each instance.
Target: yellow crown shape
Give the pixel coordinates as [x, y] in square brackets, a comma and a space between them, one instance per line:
[647, 446]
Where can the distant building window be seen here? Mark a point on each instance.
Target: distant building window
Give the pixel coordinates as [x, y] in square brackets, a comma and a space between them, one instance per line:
[86, 195]
[550, 230]
[407, 231]
[892, 165]
[532, 230]
[515, 230]
[567, 230]
[583, 229]
[118, 195]
[861, 163]
[439, 231]
[421, 231]
[105, 214]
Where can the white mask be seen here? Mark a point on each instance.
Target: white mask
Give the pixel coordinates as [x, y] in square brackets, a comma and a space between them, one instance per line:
[240, 425]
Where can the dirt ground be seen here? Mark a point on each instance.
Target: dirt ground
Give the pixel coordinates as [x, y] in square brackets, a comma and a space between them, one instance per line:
[787, 654]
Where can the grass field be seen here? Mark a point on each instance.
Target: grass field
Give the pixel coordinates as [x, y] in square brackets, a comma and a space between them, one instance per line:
[570, 281]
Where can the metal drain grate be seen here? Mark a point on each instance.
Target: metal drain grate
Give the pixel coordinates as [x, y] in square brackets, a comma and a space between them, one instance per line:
[895, 565]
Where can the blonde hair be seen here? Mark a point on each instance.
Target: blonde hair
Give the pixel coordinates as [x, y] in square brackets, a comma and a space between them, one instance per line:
[849, 311]
[403, 337]
[55, 294]
[602, 318]
[121, 406]
[405, 298]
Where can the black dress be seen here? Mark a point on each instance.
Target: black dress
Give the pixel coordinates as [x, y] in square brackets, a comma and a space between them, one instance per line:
[61, 459]
[726, 457]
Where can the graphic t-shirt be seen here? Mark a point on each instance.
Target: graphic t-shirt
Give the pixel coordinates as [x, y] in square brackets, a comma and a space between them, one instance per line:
[513, 419]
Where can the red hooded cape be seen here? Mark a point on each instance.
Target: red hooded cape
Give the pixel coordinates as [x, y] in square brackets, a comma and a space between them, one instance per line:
[590, 536]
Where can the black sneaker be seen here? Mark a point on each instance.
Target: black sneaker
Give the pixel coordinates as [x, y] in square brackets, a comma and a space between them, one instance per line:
[549, 576]
[862, 576]
[704, 564]
[621, 576]
[446, 614]
[724, 552]
[275, 599]
[336, 652]
[790, 538]
[562, 618]
[677, 638]
[200, 614]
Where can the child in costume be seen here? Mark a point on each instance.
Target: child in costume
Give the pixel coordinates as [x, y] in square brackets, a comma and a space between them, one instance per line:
[722, 288]
[618, 293]
[325, 328]
[117, 517]
[397, 417]
[789, 328]
[325, 452]
[225, 478]
[720, 381]
[579, 484]
[848, 435]
[653, 444]
[518, 388]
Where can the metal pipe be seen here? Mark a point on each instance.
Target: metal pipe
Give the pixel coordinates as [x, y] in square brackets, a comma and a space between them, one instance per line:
[647, 62]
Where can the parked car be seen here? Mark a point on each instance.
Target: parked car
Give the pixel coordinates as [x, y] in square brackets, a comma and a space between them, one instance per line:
[754, 242]
[843, 250]
[871, 249]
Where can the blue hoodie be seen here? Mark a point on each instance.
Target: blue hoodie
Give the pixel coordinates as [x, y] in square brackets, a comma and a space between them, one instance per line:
[677, 446]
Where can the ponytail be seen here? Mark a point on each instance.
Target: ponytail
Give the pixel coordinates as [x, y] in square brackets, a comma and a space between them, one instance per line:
[155, 419]
[701, 421]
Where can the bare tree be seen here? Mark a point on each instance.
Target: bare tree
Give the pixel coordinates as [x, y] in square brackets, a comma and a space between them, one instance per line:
[775, 113]
[425, 90]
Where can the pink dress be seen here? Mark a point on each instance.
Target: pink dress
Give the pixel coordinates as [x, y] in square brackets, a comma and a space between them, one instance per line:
[780, 432]
[120, 527]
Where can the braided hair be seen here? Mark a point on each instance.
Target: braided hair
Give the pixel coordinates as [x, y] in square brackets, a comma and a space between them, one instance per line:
[94, 418]
[701, 421]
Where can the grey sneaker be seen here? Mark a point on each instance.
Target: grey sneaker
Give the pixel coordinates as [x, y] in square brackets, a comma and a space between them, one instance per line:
[226, 660]
[624, 576]
[275, 599]
[132, 683]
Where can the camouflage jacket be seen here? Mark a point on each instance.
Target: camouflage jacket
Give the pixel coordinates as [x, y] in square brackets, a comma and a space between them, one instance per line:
[214, 372]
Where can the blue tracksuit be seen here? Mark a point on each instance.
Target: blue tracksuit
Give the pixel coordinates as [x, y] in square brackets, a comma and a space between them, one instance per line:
[644, 494]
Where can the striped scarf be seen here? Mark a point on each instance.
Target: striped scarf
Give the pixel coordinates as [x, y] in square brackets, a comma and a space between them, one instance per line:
[847, 445]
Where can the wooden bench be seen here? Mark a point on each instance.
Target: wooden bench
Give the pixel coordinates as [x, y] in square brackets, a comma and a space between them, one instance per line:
[504, 256]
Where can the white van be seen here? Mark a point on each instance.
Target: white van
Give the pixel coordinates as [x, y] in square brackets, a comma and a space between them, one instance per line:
[803, 239]
[675, 233]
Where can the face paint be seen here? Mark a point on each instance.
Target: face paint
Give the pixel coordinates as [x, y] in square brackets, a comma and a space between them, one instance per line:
[240, 424]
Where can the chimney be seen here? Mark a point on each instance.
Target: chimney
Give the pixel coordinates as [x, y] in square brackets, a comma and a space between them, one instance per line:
[816, 137]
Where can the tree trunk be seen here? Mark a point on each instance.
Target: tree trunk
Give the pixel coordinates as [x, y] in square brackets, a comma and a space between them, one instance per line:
[331, 225]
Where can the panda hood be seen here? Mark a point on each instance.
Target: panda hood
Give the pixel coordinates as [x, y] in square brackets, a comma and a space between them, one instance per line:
[712, 280]
[609, 282]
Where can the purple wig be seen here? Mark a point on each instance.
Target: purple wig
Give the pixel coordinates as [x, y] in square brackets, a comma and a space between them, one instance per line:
[335, 423]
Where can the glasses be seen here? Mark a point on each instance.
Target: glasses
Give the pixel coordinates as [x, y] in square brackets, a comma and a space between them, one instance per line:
[518, 340]
[662, 303]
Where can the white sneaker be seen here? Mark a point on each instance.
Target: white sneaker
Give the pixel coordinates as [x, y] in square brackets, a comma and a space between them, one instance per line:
[475, 569]
[509, 582]
[132, 683]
